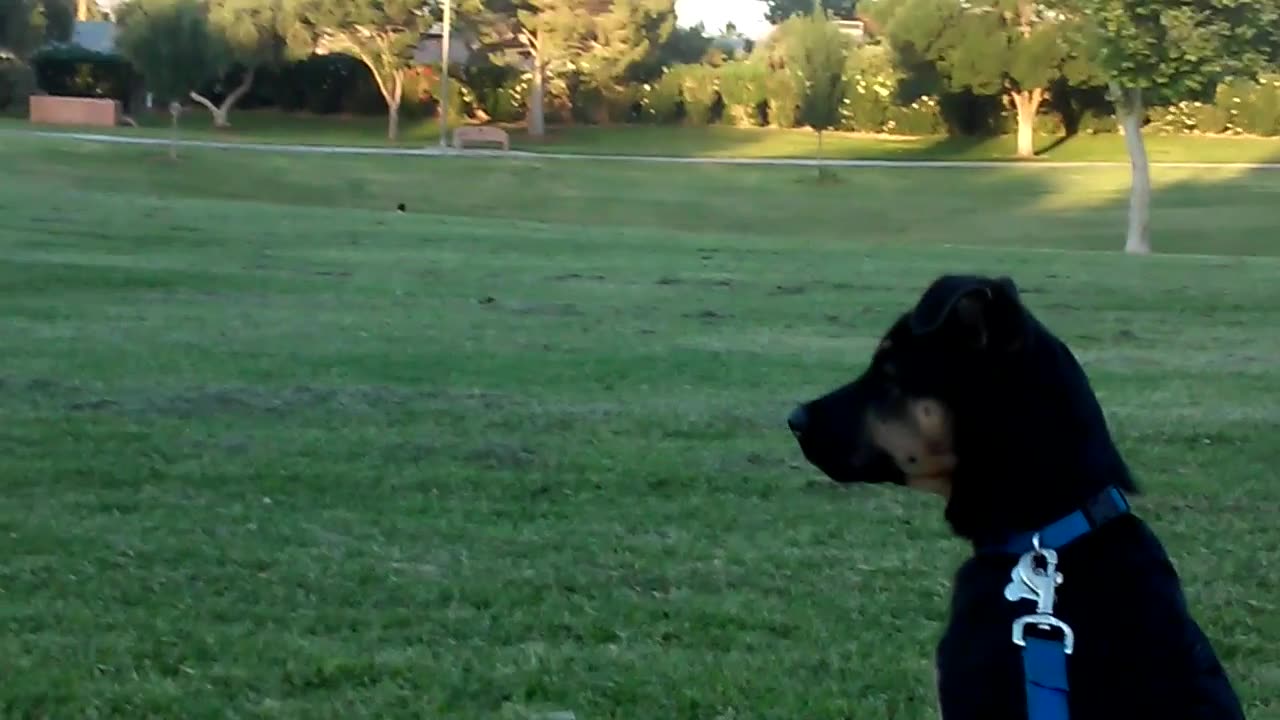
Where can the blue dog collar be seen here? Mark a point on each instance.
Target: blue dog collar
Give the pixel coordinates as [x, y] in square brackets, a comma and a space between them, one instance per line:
[1099, 510]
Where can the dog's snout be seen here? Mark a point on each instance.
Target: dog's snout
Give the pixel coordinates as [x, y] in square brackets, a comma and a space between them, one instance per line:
[798, 420]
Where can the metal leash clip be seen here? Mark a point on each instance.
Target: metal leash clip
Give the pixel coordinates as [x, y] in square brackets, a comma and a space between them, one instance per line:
[1028, 581]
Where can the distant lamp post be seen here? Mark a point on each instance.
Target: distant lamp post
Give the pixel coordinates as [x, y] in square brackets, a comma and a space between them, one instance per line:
[444, 74]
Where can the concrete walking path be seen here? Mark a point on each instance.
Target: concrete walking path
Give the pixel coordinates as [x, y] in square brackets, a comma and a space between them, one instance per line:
[527, 155]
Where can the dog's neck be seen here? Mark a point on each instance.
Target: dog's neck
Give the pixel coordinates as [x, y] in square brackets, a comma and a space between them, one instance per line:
[1029, 478]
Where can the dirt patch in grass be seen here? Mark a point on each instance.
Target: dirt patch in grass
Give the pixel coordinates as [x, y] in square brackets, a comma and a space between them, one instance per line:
[701, 282]
[577, 276]
[789, 290]
[708, 316]
[545, 309]
[499, 455]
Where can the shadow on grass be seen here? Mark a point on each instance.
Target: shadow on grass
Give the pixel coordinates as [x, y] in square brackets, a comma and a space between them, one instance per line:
[1219, 211]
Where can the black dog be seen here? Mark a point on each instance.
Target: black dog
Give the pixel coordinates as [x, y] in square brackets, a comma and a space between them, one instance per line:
[969, 396]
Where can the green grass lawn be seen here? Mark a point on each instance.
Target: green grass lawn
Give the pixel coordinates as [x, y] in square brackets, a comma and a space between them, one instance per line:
[712, 142]
[271, 449]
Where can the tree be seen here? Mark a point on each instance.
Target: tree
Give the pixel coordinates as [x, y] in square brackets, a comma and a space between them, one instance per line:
[816, 56]
[779, 11]
[685, 45]
[543, 36]
[621, 40]
[25, 25]
[89, 10]
[1014, 48]
[171, 43]
[383, 34]
[1156, 50]
[247, 30]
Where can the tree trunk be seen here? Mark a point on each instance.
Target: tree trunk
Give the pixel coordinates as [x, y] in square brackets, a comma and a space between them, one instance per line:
[175, 109]
[220, 112]
[537, 120]
[393, 123]
[1129, 105]
[393, 107]
[1027, 103]
[821, 169]
[234, 97]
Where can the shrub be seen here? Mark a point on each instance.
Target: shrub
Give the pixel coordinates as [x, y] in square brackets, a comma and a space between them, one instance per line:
[1097, 121]
[1177, 119]
[622, 103]
[1253, 106]
[784, 99]
[923, 117]
[742, 88]
[871, 83]
[660, 101]
[72, 71]
[1211, 119]
[698, 92]
[500, 92]
[327, 84]
[17, 83]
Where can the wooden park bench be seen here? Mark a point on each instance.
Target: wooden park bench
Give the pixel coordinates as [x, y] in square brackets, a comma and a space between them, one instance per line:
[481, 134]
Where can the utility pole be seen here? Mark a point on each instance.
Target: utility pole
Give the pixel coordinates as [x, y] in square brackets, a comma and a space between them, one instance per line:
[444, 74]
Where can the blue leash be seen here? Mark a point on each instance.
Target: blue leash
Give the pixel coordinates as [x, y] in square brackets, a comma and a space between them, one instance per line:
[1044, 665]
[1044, 660]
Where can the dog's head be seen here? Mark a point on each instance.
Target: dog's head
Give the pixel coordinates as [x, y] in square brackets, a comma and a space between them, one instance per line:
[968, 396]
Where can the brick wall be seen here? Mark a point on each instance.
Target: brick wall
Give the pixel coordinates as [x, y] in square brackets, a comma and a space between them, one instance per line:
[55, 110]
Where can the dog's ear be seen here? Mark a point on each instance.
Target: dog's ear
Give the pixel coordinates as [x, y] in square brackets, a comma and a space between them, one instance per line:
[982, 313]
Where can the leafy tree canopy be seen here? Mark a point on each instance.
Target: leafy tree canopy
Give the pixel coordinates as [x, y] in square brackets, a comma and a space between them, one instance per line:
[816, 53]
[250, 29]
[25, 25]
[1172, 49]
[778, 11]
[383, 34]
[170, 42]
[990, 46]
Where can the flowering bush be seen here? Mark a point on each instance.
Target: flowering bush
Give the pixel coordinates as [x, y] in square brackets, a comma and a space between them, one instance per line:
[922, 117]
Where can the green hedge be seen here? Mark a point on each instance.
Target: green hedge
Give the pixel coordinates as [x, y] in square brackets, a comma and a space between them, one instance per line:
[879, 97]
[17, 83]
[72, 71]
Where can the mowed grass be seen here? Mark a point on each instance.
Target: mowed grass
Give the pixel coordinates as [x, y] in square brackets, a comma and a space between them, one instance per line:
[271, 127]
[271, 449]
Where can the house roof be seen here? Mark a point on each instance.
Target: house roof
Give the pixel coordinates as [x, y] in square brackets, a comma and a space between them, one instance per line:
[96, 35]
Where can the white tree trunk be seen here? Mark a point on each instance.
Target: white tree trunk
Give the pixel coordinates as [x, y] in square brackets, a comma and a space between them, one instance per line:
[175, 109]
[220, 112]
[821, 168]
[537, 120]
[393, 107]
[229, 102]
[1129, 106]
[1027, 103]
[219, 115]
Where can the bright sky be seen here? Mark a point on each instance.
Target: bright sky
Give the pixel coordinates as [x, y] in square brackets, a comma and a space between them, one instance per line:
[748, 15]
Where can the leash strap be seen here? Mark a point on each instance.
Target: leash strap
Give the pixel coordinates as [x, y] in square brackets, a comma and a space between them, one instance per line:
[1044, 665]
[1044, 661]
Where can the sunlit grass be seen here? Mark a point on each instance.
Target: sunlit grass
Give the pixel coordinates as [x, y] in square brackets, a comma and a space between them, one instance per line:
[720, 142]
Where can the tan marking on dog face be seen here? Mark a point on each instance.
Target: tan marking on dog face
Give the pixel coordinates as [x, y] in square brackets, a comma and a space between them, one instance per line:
[918, 436]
